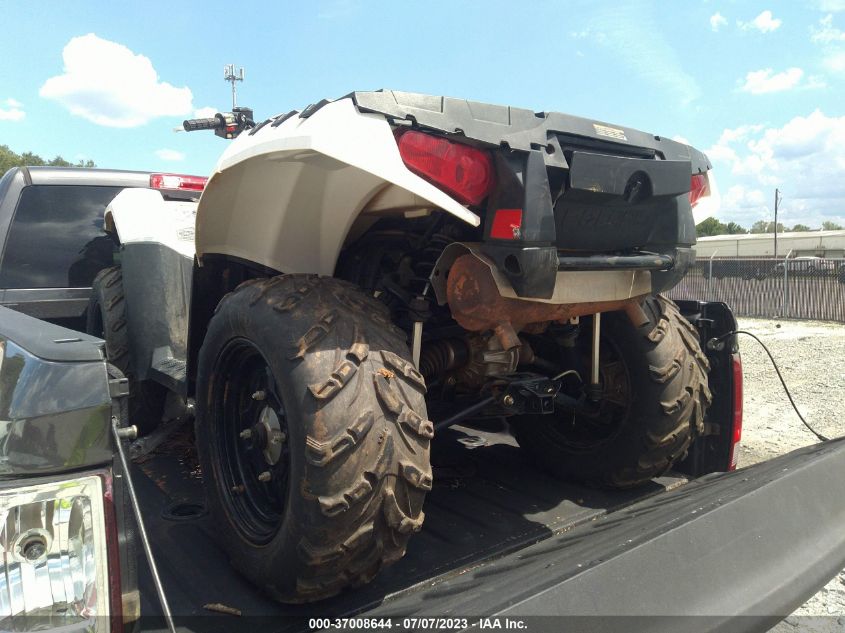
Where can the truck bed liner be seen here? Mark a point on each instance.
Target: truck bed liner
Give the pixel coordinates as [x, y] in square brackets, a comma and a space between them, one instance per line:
[486, 502]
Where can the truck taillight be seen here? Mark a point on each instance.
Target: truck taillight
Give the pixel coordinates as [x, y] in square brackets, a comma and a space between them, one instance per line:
[460, 170]
[699, 188]
[177, 182]
[736, 436]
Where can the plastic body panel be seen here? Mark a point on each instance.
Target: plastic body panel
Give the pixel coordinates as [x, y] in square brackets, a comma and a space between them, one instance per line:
[520, 128]
[157, 260]
[56, 409]
[287, 196]
[55, 404]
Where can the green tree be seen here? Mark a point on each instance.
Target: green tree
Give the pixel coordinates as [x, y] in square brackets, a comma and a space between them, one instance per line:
[827, 225]
[732, 228]
[709, 226]
[800, 227]
[763, 226]
[9, 159]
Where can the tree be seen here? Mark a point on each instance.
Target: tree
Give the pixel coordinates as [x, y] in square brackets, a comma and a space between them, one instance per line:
[827, 225]
[763, 226]
[9, 159]
[800, 227]
[709, 226]
[732, 228]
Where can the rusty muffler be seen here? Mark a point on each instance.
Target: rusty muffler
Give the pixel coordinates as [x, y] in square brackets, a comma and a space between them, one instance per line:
[477, 305]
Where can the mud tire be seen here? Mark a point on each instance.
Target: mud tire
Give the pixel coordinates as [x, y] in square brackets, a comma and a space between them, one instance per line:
[106, 318]
[358, 438]
[669, 394]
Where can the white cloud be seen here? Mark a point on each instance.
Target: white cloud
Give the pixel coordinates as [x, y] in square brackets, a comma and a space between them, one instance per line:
[205, 113]
[825, 32]
[107, 84]
[11, 110]
[765, 23]
[835, 62]
[744, 205]
[170, 154]
[831, 6]
[764, 81]
[589, 34]
[632, 33]
[805, 158]
[717, 20]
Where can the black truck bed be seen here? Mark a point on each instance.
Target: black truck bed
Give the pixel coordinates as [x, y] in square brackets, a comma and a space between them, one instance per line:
[486, 502]
[725, 552]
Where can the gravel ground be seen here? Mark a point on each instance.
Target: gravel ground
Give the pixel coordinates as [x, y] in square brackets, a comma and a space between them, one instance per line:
[811, 357]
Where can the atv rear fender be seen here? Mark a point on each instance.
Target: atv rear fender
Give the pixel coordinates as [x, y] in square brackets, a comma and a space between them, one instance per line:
[287, 196]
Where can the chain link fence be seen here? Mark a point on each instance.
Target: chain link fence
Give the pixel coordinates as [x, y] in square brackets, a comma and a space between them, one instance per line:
[799, 288]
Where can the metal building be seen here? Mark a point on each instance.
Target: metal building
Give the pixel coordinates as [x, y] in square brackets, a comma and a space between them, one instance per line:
[803, 244]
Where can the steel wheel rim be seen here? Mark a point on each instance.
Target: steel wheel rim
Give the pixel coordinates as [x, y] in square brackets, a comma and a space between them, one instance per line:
[245, 397]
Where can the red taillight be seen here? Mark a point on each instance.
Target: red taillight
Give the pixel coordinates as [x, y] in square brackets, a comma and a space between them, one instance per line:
[507, 224]
[699, 188]
[177, 181]
[462, 171]
[736, 366]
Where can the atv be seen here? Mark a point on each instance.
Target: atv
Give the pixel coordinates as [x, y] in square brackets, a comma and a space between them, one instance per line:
[369, 271]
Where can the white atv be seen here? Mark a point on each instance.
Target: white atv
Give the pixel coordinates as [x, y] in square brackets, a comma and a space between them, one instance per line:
[363, 267]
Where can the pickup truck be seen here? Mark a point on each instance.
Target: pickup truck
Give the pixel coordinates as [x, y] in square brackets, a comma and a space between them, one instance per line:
[57, 212]
[731, 551]
[503, 545]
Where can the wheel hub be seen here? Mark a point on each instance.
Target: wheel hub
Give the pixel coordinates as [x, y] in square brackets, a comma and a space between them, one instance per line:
[271, 436]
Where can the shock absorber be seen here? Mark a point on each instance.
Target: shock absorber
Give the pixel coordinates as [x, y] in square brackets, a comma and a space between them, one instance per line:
[594, 388]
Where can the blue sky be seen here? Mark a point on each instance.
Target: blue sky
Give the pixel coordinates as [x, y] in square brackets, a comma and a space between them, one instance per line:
[760, 86]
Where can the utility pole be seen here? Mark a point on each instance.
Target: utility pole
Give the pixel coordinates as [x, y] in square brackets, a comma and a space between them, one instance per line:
[777, 200]
[231, 76]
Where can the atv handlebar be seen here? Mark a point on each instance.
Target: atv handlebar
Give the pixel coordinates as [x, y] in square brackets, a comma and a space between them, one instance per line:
[193, 125]
[226, 125]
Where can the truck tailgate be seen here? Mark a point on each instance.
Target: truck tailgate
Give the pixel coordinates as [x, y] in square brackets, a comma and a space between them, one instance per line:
[738, 551]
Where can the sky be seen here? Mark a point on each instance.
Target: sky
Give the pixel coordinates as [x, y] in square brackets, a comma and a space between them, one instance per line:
[758, 86]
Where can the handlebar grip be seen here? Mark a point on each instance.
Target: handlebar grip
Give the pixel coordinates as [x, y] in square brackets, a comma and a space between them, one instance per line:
[192, 125]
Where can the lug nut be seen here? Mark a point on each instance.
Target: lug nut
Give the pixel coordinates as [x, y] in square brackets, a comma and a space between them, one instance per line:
[245, 434]
[508, 400]
[265, 476]
[259, 395]
[278, 437]
[238, 490]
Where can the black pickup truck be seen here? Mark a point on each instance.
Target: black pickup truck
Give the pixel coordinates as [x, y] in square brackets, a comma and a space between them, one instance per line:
[57, 213]
[503, 546]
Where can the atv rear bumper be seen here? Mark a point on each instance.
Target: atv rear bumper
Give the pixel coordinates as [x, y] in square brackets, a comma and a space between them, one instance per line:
[572, 279]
